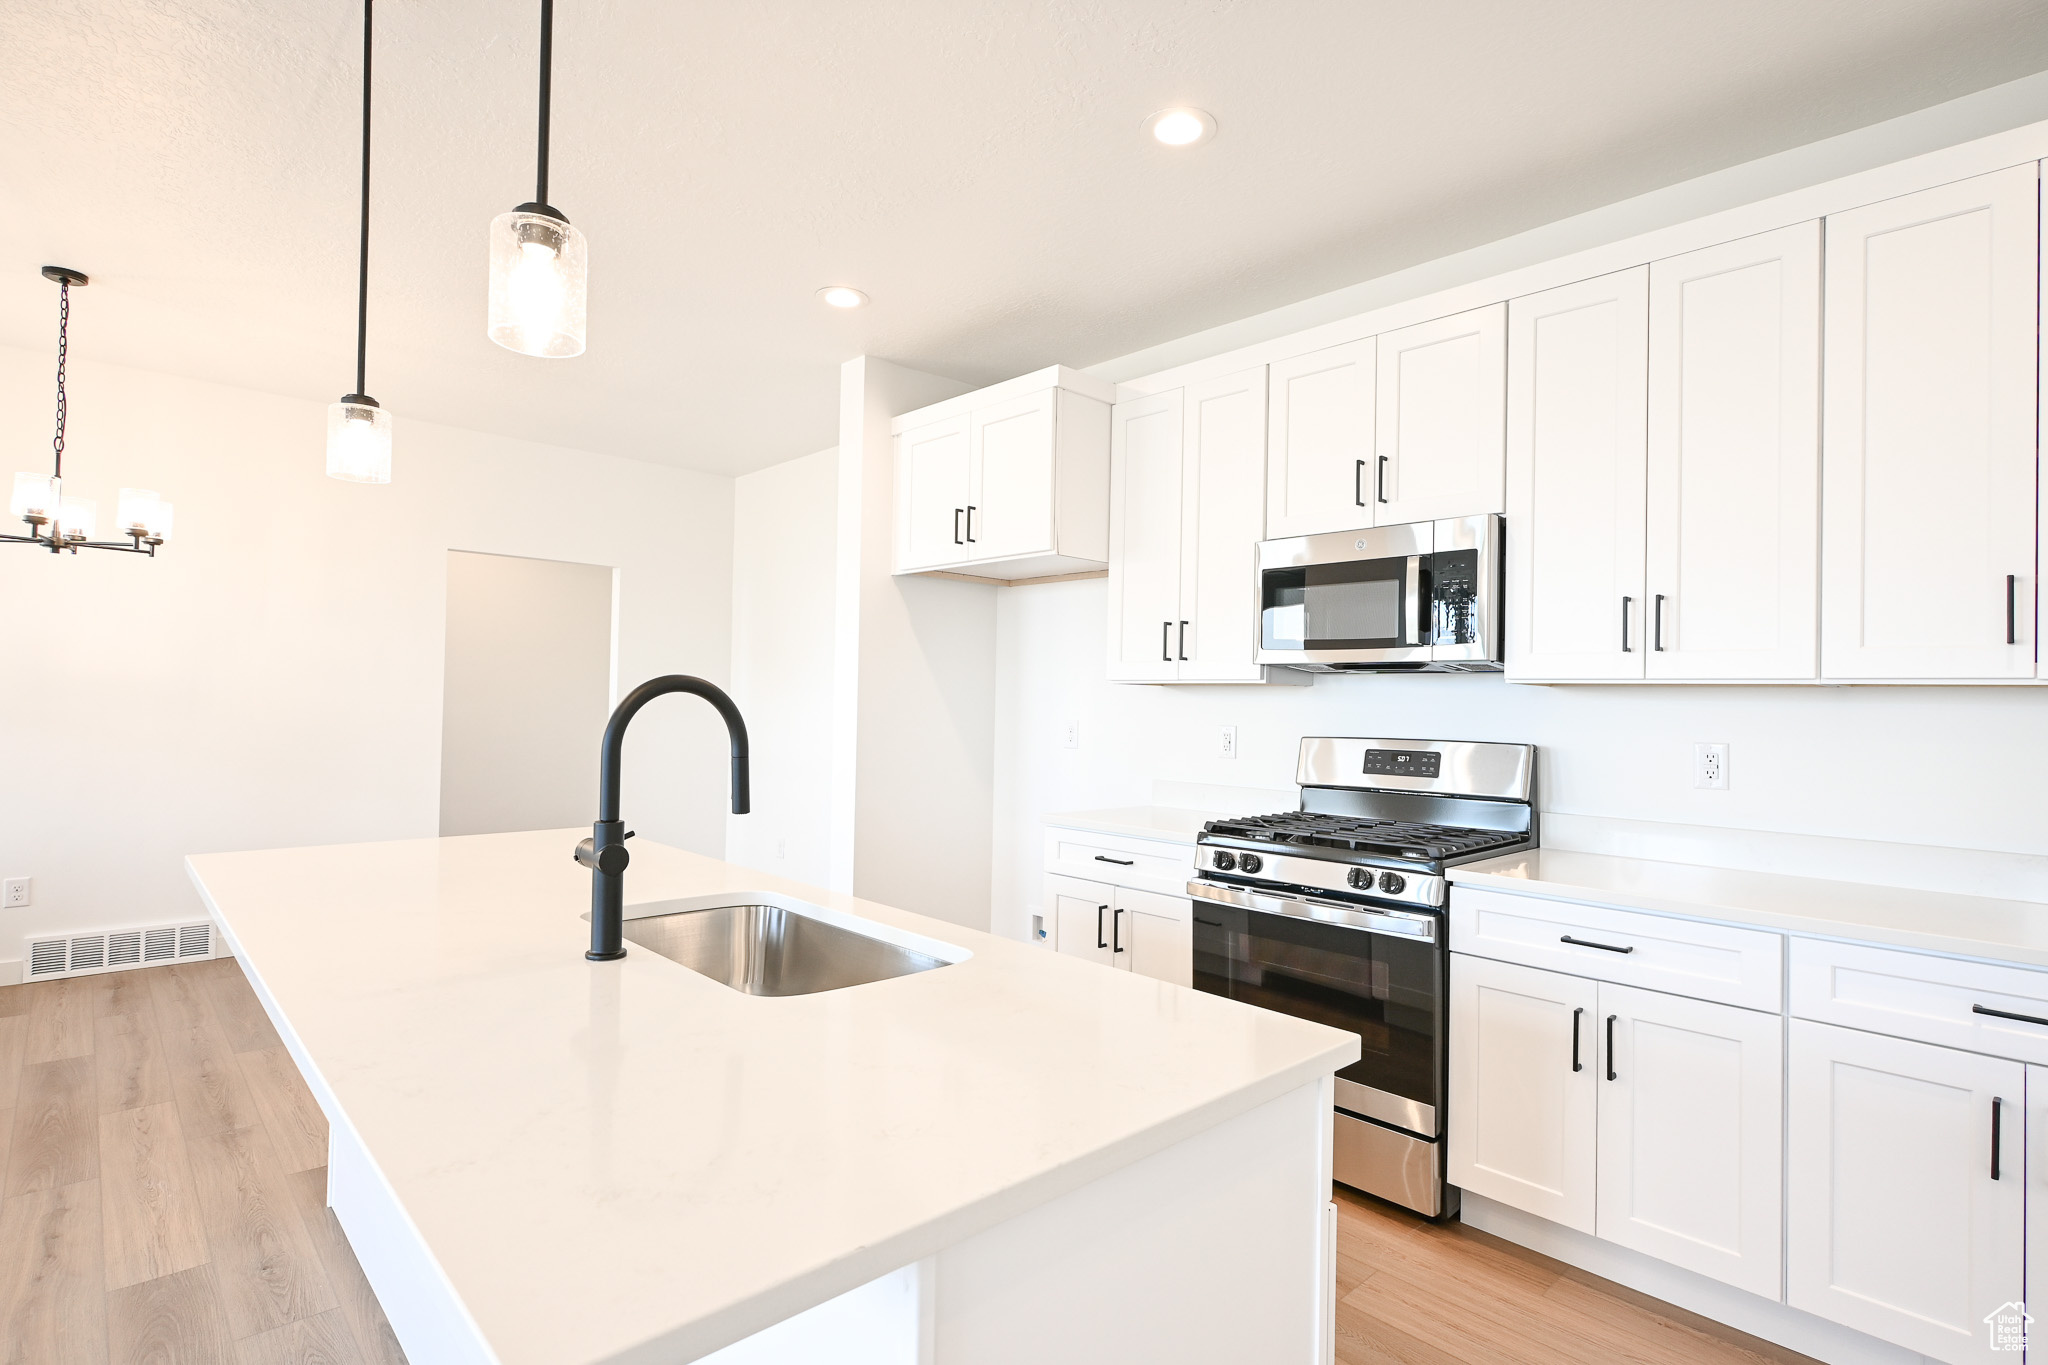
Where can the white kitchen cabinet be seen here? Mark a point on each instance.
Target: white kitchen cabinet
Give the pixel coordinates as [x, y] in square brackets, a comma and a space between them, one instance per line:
[1081, 910]
[2037, 1189]
[1319, 462]
[1124, 927]
[1578, 387]
[1690, 1135]
[1187, 497]
[1009, 483]
[1733, 537]
[931, 477]
[1145, 462]
[1930, 509]
[1524, 1046]
[1441, 396]
[1895, 1225]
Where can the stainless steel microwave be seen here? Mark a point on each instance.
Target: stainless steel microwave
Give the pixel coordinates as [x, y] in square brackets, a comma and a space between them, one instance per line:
[1419, 598]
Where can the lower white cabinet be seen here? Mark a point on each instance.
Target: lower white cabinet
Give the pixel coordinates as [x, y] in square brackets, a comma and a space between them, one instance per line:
[1903, 1219]
[1124, 927]
[1646, 1119]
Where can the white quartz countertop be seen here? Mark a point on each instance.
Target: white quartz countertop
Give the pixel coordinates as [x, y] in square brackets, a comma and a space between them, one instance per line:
[628, 1157]
[1931, 921]
[1170, 823]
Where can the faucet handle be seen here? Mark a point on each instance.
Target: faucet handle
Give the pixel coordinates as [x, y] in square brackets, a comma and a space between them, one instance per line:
[611, 860]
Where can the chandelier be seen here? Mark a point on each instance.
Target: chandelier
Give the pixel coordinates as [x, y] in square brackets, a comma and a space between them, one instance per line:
[58, 521]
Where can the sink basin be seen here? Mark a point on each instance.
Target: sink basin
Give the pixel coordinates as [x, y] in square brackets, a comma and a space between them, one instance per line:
[769, 949]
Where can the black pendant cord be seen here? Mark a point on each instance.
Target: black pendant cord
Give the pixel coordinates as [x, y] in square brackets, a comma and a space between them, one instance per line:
[363, 256]
[63, 348]
[547, 70]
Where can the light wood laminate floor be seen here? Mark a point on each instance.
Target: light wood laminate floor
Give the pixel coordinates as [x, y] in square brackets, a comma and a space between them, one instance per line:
[164, 1203]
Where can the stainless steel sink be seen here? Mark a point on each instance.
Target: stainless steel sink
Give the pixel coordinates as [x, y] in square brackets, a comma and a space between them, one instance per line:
[769, 950]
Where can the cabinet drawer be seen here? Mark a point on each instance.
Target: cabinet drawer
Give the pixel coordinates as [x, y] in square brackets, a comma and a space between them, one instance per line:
[1148, 864]
[1656, 952]
[1930, 999]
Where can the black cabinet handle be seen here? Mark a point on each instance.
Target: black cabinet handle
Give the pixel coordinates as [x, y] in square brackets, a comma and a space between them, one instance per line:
[1997, 1108]
[1610, 1045]
[1098, 926]
[1379, 480]
[2012, 594]
[1116, 930]
[1166, 642]
[956, 527]
[1577, 1065]
[1626, 603]
[1120, 862]
[1588, 943]
[2008, 1014]
[1183, 642]
[970, 523]
[1358, 483]
[1657, 631]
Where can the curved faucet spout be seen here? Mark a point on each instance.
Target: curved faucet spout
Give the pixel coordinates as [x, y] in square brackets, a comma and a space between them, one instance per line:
[604, 852]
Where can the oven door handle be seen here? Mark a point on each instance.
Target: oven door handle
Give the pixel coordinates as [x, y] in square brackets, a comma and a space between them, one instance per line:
[1365, 919]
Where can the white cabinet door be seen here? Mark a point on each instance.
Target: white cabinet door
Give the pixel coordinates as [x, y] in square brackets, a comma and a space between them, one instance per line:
[1734, 471]
[931, 498]
[1081, 910]
[1145, 466]
[1578, 387]
[1442, 399]
[1223, 509]
[1010, 450]
[2037, 1195]
[1156, 934]
[1929, 451]
[1692, 1134]
[1319, 460]
[1894, 1224]
[1525, 1046]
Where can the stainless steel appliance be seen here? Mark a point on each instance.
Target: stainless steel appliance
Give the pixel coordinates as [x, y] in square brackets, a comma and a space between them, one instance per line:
[1419, 598]
[1335, 912]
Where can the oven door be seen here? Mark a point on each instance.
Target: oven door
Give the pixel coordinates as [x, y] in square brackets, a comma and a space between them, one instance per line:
[1348, 598]
[1376, 973]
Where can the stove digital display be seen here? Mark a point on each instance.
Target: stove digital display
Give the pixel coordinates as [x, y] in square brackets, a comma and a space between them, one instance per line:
[1404, 762]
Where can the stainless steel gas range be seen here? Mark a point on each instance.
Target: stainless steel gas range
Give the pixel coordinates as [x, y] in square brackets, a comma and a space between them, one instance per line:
[1335, 912]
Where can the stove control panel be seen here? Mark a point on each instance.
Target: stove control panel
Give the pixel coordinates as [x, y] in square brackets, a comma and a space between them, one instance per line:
[1424, 889]
[1404, 762]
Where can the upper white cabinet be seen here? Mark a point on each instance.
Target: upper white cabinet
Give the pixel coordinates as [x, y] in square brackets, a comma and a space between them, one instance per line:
[1320, 469]
[1929, 449]
[1578, 385]
[1187, 498]
[1442, 400]
[1734, 460]
[1008, 483]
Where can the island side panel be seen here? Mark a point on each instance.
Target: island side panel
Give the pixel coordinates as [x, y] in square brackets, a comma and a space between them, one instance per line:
[1211, 1252]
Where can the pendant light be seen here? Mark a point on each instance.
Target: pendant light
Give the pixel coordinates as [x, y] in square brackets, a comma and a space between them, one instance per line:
[540, 267]
[57, 520]
[358, 430]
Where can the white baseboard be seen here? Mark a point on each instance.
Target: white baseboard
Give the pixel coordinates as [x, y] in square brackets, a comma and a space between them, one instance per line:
[1745, 1312]
[14, 970]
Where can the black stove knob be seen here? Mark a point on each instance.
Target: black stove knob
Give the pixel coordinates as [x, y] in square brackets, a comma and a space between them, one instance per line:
[1249, 862]
[1225, 860]
[1360, 878]
[1393, 883]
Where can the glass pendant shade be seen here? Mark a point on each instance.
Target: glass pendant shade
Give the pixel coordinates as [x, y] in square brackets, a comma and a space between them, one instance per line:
[79, 518]
[358, 443]
[540, 278]
[35, 494]
[141, 510]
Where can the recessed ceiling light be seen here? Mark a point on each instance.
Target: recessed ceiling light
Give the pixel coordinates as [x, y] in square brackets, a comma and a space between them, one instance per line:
[841, 296]
[1182, 127]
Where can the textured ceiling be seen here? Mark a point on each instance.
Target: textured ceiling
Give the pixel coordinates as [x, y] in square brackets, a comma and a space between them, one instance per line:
[975, 165]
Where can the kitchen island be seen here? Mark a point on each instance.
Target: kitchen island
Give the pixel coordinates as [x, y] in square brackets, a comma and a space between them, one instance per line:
[1010, 1157]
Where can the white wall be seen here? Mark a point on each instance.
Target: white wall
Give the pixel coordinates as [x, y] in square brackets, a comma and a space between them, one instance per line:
[526, 687]
[274, 677]
[785, 526]
[1956, 767]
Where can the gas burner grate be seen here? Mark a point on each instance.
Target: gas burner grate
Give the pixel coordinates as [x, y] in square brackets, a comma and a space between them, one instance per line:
[1398, 838]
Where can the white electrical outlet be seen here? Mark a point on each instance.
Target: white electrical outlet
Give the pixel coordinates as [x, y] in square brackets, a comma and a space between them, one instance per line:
[1228, 747]
[14, 892]
[1073, 734]
[1710, 767]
